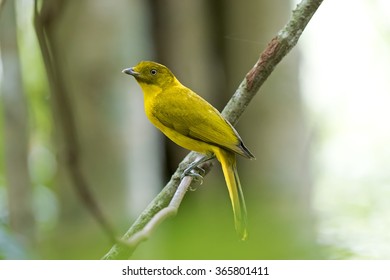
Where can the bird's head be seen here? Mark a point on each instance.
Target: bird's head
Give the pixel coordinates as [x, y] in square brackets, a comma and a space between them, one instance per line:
[151, 73]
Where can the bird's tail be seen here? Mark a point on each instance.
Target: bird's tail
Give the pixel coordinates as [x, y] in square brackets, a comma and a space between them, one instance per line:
[228, 162]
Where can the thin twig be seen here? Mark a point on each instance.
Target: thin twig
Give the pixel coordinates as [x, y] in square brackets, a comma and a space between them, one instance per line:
[278, 47]
[170, 197]
[169, 211]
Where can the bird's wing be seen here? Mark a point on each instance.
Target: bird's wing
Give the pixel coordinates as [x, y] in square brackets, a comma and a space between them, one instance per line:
[197, 119]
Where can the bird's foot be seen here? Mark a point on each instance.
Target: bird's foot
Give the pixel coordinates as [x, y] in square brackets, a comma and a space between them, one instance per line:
[195, 172]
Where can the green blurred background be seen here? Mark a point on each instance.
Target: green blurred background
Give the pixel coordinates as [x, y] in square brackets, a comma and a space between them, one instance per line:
[318, 129]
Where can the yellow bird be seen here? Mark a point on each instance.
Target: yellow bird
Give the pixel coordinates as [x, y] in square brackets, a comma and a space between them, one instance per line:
[191, 122]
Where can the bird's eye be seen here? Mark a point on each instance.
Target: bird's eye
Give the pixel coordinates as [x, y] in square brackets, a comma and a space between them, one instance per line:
[153, 71]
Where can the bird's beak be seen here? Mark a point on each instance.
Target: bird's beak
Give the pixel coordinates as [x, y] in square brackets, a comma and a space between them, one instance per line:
[130, 71]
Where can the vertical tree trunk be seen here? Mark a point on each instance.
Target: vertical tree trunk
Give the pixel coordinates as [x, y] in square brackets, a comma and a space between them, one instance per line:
[90, 57]
[16, 129]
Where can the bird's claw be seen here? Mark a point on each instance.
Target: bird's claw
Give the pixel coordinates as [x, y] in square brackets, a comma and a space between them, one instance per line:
[192, 173]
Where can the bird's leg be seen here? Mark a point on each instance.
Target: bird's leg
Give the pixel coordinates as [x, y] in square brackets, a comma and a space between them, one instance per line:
[189, 171]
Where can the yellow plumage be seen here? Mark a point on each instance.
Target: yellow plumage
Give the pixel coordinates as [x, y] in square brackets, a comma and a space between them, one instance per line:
[191, 122]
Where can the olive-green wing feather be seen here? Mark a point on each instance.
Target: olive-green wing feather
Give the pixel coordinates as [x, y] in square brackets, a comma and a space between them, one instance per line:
[197, 119]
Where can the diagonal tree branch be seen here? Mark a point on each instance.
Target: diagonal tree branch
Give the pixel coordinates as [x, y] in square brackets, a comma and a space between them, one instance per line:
[166, 203]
